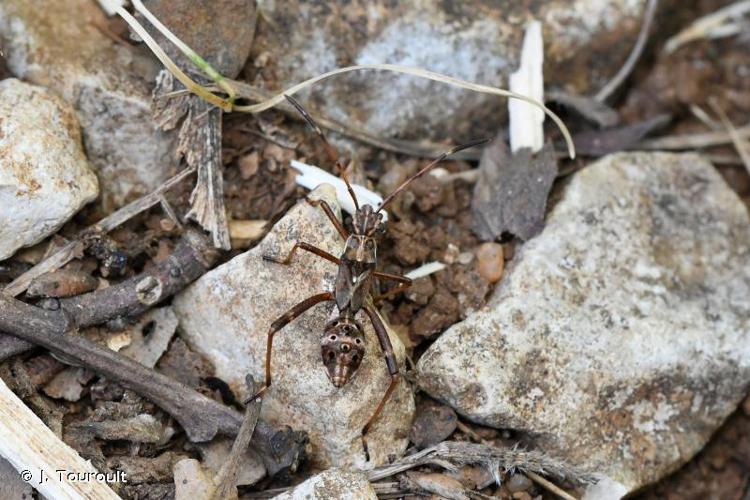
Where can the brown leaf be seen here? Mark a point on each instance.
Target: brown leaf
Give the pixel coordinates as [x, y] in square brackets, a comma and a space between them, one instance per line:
[511, 193]
[611, 140]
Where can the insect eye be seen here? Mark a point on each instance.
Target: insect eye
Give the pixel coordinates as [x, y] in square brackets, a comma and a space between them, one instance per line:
[370, 244]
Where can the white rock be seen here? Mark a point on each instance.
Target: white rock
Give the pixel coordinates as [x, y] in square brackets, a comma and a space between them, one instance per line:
[620, 336]
[44, 175]
[226, 315]
[333, 484]
[60, 45]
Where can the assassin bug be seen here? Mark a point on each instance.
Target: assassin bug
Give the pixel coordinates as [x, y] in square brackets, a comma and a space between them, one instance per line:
[343, 342]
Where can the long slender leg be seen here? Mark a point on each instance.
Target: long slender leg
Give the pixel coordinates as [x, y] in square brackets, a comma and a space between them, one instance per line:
[403, 284]
[280, 323]
[329, 212]
[304, 246]
[390, 361]
[332, 153]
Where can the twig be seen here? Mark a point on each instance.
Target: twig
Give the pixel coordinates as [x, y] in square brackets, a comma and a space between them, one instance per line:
[200, 142]
[37, 454]
[452, 454]
[710, 26]
[635, 54]
[201, 417]
[226, 479]
[739, 143]
[74, 247]
[550, 487]
[693, 141]
[527, 123]
[192, 257]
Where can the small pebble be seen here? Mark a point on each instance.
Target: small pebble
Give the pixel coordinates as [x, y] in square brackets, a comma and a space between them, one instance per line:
[522, 495]
[451, 254]
[518, 482]
[249, 165]
[465, 258]
[490, 263]
[435, 422]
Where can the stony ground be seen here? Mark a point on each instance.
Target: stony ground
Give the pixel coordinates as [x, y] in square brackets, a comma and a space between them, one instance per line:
[432, 221]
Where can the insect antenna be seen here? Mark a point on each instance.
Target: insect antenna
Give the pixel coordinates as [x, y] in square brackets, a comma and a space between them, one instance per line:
[427, 168]
[332, 153]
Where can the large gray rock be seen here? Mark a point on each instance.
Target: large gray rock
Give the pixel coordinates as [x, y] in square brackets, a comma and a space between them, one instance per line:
[621, 336]
[334, 484]
[61, 45]
[44, 175]
[226, 314]
[586, 42]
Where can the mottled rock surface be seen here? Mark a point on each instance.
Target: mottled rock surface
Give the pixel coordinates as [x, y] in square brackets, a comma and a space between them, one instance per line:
[334, 484]
[586, 42]
[226, 314]
[221, 31]
[621, 336]
[44, 175]
[61, 45]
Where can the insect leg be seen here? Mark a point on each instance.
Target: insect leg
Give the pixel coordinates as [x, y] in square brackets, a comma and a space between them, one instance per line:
[304, 246]
[403, 284]
[331, 216]
[390, 361]
[280, 323]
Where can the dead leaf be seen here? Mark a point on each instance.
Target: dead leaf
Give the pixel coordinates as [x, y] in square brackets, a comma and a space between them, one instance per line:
[589, 108]
[511, 193]
[611, 140]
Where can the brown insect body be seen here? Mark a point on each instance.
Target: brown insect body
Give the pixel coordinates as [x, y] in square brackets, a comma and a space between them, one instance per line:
[343, 342]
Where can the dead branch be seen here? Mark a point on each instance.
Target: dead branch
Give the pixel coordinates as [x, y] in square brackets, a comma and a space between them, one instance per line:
[200, 143]
[226, 479]
[192, 257]
[453, 454]
[201, 417]
[74, 247]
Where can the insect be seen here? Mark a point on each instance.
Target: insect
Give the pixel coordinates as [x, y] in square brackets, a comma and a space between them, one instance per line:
[342, 345]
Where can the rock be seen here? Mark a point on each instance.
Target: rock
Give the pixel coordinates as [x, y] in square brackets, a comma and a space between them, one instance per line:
[150, 336]
[518, 482]
[226, 314]
[191, 481]
[490, 261]
[11, 484]
[221, 31]
[44, 176]
[434, 423]
[216, 453]
[586, 42]
[333, 484]
[619, 336]
[60, 45]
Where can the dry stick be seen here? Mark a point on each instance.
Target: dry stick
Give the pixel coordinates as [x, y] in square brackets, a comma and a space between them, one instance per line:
[635, 54]
[550, 486]
[226, 479]
[201, 417]
[192, 257]
[693, 141]
[738, 142]
[75, 247]
[200, 141]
